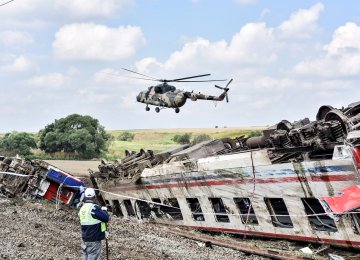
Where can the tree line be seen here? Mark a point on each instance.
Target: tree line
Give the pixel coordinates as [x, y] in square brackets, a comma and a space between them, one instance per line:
[81, 136]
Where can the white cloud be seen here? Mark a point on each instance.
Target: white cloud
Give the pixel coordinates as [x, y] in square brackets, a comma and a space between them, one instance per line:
[41, 13]
[20, 64]
[51, 80]
[97, 42]
[92, 8]
[254, 44]
[26, 13]
[108, 75]
[345, 39]
[143, 65]
[341, 57]
[15, 38]
[94, 97]
[273, 83]
[302, 24]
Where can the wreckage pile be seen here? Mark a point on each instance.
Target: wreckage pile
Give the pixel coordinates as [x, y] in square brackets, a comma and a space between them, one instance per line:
[23, 171]
[298, 141]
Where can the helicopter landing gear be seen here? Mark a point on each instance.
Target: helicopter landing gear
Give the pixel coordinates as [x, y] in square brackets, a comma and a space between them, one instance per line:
[157, 110]
[177, 110]
[147, 108]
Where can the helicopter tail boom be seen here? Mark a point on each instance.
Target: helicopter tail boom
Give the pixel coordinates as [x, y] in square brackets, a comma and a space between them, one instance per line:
[195, 96]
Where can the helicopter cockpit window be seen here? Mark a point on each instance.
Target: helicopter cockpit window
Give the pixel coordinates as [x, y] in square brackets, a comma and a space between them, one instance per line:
[158, 90]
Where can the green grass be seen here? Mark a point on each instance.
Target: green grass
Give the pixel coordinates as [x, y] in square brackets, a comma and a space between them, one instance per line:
[161, 139]
[151, 139]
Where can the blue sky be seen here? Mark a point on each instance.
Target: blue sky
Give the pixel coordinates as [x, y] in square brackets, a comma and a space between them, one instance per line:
[286, 60]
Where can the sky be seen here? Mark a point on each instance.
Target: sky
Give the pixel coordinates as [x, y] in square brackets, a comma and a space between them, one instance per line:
[286, 58]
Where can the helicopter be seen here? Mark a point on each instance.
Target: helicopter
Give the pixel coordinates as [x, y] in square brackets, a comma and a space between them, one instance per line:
[167, 96]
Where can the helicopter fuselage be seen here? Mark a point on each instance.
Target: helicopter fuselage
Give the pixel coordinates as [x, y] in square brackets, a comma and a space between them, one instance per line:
[167, 96]
[163, 95]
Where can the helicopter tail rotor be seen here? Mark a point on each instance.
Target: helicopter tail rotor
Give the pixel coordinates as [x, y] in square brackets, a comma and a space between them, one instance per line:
[226, 89]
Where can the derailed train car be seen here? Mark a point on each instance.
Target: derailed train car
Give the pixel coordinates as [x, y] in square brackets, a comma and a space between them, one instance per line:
[266, 186]
[38, 179]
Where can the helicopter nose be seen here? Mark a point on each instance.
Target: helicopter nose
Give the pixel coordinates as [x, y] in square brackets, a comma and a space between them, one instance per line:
[138, 97]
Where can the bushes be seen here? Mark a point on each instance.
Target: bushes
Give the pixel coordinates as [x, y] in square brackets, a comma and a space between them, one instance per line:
[255, 133]
[182, 139]
[126, 136]
[200, 138]
[186, 138]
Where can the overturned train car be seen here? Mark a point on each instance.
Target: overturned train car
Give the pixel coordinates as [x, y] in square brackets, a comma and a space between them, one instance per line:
[38, 179]
[263, 186]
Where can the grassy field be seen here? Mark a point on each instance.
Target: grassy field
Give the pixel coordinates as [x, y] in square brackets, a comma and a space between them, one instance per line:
[152, 139]
[162, 139]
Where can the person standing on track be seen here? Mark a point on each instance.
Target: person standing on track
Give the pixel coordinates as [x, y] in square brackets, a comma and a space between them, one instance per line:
[93, 219]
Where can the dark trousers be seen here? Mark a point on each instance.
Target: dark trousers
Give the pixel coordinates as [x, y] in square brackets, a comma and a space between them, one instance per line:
[91, 250]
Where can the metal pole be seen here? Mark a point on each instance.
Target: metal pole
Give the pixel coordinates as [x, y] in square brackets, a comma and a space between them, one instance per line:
[107, 244]
[107, 249]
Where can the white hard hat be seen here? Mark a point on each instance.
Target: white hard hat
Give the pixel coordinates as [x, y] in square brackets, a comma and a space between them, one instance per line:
[89, 193]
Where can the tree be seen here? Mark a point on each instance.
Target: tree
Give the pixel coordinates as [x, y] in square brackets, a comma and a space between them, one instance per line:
[15, 143]
[75, 133]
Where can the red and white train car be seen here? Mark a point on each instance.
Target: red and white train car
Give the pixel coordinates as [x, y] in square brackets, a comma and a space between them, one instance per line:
[243, 193]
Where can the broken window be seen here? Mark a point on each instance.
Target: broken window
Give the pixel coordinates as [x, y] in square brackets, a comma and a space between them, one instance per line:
[219, 209]
[195, 208]
[129, 208]
[173, 210]
[144, 208]
[355, 218]
[318, 222]
[246, 210]
[156, 208]
[116, 209]
[279, 213]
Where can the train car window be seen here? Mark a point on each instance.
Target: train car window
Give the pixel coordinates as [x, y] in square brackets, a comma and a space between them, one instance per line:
[279, 213]
[156, 208]
[129, 208]
[195, 208]
[174, 210]
[355, 218]
[219, 209]
[144, 208]
[116, 209]
[246, 210]
[318, 222]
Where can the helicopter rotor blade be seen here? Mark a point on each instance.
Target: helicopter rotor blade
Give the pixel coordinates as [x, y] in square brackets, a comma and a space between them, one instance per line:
[141, 74]
[210, 80]
[140, 78]
[216, 86]
[116, 75]
[229, 83]
[191, 77]
[227, 98]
